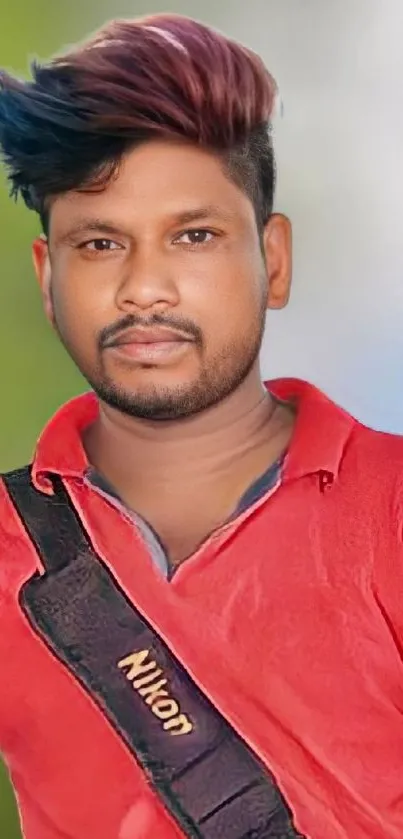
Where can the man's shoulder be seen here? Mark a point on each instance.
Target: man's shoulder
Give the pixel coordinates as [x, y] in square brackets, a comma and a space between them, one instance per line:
[374, 458]
[17, 560]
[371, 473]
[351, 447]
[380, 448]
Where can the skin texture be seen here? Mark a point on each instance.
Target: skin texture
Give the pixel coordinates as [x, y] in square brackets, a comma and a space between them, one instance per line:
[188, 425]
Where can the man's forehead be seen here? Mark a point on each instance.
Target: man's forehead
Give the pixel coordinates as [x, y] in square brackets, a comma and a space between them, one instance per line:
[157, 187]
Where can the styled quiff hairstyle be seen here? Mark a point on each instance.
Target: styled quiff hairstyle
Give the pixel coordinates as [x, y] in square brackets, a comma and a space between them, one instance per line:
[164, 76]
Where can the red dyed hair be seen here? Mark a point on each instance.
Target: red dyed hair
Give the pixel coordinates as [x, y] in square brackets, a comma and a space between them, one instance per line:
[135, 80]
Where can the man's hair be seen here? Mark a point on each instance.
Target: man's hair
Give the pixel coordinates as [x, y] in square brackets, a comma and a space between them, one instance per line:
[164, 76]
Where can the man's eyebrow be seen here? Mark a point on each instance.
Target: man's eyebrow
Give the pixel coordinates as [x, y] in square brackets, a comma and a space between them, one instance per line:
[203, 213]
[84, 226]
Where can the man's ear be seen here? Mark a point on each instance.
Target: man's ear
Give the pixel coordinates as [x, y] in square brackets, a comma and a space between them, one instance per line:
[277, 246]
[41, 260]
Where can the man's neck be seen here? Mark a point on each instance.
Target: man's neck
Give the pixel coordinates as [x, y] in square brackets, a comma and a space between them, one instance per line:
[209, 447]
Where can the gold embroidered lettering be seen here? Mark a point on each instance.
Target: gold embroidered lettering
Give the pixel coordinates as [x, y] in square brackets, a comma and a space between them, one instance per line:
[152, 692]
[139, 683]
[135, 662]
[178, 725]
[143, 675]
[164, 709]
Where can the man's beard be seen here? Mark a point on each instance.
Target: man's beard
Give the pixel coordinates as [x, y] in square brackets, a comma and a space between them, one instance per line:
[222, 377]
[223, 374]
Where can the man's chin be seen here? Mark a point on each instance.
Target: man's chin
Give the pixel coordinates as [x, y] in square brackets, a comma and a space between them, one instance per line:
[152, 403]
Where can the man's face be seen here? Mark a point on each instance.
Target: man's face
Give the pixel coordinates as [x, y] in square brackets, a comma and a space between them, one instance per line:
[158, 285]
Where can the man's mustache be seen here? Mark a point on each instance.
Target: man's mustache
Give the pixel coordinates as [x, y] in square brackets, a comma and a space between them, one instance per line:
[187, 327]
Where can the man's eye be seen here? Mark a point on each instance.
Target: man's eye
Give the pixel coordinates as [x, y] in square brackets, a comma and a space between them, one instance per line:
[100, 245]
[196, 237]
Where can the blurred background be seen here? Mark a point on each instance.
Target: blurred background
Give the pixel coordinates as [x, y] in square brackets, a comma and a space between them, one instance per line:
[339, 65]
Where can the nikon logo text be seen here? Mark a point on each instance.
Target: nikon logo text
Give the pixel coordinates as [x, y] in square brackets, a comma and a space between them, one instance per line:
[149, 682]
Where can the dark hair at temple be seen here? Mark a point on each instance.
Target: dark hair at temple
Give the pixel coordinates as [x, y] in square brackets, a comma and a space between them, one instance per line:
[137, 80]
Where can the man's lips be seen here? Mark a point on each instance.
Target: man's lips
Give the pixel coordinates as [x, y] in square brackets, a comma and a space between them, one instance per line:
[156, 345]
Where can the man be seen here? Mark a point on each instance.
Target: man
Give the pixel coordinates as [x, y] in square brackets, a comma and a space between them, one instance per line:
[201, 574]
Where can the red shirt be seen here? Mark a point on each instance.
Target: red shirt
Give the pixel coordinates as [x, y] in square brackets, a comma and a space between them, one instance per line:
[289, 618]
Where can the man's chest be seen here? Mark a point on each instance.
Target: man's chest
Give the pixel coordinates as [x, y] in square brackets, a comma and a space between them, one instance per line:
[304, 703]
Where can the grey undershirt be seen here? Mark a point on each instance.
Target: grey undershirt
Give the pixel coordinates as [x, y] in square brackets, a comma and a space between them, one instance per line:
[257, 490]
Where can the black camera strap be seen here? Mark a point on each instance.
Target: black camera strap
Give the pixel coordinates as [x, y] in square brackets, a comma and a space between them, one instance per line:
[207, 777]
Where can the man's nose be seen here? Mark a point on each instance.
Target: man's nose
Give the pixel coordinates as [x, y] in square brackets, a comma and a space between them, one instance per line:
[148, 281]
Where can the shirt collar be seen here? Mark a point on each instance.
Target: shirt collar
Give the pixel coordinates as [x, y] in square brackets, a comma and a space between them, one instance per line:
[320, 435]
[60, 449]
[321, 430]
